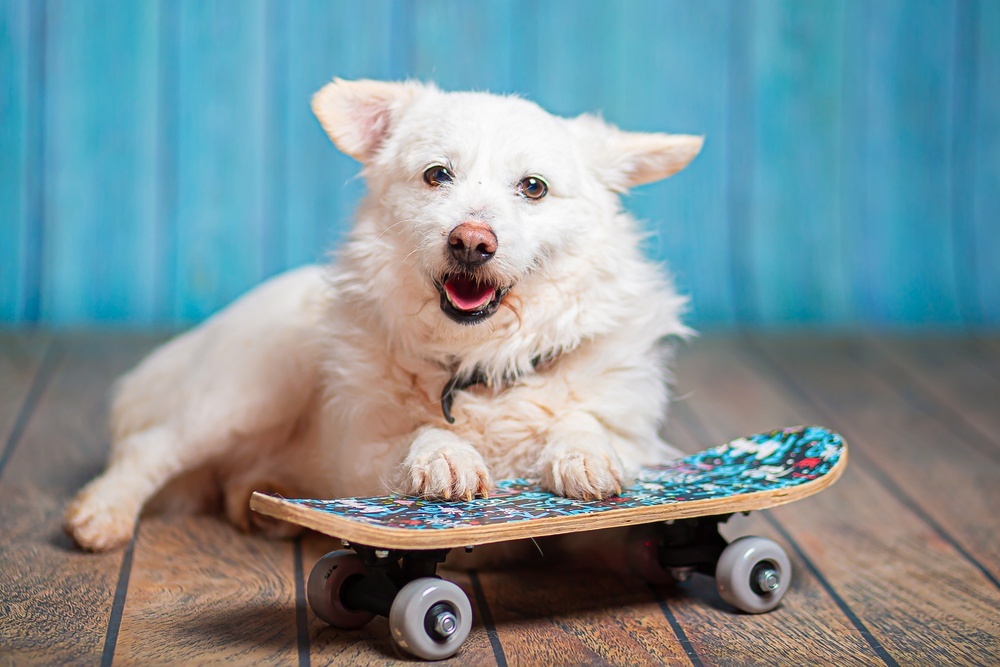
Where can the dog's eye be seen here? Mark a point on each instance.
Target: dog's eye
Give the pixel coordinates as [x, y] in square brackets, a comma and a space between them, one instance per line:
[436, 174]
[533, 187]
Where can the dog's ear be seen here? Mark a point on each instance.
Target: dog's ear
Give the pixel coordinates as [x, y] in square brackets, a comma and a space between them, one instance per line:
[624, 160]
[359, 114]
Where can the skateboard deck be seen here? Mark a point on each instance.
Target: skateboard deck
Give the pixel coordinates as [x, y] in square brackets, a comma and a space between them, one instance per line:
[751, 473]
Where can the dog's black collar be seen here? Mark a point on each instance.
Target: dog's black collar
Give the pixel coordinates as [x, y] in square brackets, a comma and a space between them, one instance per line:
[461, 383]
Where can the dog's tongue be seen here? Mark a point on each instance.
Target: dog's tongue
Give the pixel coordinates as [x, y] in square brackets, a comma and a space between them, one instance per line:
[466, 294]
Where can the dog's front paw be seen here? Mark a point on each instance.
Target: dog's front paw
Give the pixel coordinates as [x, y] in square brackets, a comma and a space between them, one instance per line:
[441, 465]
[579, 470]
[99, 523]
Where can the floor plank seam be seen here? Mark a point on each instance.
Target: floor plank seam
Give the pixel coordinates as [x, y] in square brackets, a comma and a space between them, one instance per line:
[678, 629]
[487, 616]
[301, 615]
[118, 604]
[877, 471]
[927, 402]
[858, 624]
[39, 383]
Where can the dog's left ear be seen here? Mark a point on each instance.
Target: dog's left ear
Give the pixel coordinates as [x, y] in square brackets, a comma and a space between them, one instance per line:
[358, 115]
[624, 160]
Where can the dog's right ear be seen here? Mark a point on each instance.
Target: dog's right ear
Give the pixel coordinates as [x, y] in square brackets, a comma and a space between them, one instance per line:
[358, 115]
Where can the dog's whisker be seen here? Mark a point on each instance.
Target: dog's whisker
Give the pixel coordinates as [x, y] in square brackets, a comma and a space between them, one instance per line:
[394, 225]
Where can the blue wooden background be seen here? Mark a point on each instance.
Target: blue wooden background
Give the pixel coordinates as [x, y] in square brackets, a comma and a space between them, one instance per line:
[157, 158]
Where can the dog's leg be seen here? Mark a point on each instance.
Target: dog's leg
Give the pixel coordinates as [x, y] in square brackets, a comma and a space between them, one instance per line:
[579, 460]
[237, 494]
[103, 514]
[442, 465]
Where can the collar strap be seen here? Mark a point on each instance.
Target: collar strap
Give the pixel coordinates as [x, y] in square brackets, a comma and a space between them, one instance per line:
[477, 377]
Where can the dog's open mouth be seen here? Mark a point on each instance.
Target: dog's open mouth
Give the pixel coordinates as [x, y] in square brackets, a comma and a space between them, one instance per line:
[468, 299]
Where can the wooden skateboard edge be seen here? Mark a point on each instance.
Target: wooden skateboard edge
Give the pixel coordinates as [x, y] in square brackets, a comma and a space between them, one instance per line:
[404, 538]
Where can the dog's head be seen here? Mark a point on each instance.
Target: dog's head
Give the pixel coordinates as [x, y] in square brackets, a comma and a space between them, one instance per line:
[478, 193]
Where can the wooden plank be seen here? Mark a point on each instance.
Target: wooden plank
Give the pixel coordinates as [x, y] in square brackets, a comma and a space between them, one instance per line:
[905, 252]
[797, 78]
[559, 616]
[985, 351]
[100, 161]
[463, 46]
[719, 635]
[21, 384]
[942, 378]
[371, 645]
[57, 600]
[869, 530]
[208, 593]
[962, 160]
[673, 80]
[17, 51]
[220, 153]
[322, 184]
[570, 74]
[986, 184]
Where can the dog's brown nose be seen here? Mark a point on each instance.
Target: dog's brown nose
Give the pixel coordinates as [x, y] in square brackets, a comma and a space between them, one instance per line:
[472, 243]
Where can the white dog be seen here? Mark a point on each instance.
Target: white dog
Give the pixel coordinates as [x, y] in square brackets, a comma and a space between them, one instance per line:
[491, 315]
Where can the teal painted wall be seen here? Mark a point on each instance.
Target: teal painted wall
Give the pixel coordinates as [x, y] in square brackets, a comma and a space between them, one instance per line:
[157, 158]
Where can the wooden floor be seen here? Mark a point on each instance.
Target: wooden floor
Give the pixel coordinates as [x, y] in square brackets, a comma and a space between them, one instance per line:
[896, 564]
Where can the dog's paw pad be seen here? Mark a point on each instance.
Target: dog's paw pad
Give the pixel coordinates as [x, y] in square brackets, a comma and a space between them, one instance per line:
[451, 472]
[98, 526]
[583, 474]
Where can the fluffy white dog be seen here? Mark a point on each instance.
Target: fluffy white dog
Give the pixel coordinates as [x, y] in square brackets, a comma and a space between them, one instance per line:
[491, 315]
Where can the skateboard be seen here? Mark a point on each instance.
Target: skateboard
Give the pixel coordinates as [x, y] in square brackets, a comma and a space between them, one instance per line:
[393, 544]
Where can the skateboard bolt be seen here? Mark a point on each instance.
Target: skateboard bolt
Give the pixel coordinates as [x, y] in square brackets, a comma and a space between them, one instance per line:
[681, 574]
[768, 580]
[445, 624]
[381, 553]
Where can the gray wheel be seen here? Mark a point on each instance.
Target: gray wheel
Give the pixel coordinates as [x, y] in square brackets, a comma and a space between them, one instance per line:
[326, 582]
[430, 618]
[753, 574]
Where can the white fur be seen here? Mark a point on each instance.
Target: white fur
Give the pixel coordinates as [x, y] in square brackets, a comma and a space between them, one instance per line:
[326, 382]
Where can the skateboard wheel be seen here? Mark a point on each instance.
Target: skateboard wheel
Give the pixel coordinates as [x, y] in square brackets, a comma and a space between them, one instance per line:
[325, 585]
[430, 618]
[753, 574]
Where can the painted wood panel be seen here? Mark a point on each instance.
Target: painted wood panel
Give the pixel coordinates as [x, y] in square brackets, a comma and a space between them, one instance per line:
[99, 166]
[905, 246]
[985, 173]
[158, 158]
[798, 79]
[221, 174]
[20, 23]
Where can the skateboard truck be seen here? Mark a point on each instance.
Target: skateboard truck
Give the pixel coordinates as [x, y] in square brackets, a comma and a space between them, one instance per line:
[428, 616]
[751, 573]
